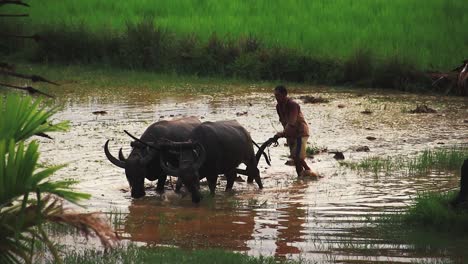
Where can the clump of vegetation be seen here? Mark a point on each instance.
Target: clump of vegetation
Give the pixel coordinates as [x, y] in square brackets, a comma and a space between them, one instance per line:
[308, 99]
[374, 164]
[314, 150]
[432, 211]
[438, 159]
[359, 67]
[134, 254]
[422, 109]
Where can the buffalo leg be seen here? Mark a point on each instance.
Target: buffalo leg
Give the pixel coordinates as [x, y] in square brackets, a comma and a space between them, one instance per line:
[161, 183]
[230, 177]
[250, 179]
[212, 181]
[178, 185]
[259, 181]
[254, 173]
[245, 172]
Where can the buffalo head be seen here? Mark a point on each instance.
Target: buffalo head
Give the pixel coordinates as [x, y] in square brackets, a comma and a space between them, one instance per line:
[138, 166]
[191, 157]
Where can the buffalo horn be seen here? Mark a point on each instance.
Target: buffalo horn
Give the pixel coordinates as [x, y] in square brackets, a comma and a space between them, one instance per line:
[121, 155]
[112, 159]
[139, 140]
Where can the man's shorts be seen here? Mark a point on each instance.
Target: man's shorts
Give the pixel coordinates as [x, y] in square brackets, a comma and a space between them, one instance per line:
[297, 147]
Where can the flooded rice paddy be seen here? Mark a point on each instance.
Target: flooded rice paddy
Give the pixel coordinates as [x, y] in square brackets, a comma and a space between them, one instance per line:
[324, 220]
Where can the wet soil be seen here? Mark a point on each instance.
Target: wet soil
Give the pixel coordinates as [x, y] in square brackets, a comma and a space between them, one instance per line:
[323, 220]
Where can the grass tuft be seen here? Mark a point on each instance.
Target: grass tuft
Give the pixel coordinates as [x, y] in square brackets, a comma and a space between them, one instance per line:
[426, 161]
[134, 254]
[432, 212]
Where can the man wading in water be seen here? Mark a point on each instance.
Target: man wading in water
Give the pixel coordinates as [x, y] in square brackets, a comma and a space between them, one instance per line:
[295, 130]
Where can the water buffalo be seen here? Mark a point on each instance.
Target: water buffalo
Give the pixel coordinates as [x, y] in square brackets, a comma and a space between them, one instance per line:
[144, 162]
[214, 148]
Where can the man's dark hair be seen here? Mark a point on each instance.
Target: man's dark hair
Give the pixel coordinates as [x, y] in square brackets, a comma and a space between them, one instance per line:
[281, 89]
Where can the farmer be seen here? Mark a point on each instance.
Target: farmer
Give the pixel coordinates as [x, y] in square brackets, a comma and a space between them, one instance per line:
[295, 130]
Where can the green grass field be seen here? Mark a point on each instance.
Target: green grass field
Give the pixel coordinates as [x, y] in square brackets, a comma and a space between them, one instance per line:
[428, 34]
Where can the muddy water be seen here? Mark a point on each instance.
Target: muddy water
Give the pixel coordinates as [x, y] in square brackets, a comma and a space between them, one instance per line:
[323, 220]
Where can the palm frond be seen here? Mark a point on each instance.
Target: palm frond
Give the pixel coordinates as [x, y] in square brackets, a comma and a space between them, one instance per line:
[17, 171]
[21, 216]
[22, 118]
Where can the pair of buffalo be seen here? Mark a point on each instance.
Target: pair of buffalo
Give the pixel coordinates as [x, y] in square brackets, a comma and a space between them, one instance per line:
[190, 150]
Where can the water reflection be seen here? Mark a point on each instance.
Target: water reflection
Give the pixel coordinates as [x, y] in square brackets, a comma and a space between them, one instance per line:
[210, 224]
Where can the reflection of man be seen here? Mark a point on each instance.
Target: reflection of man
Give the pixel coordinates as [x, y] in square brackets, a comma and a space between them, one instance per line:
[295, 130]
[292, 217]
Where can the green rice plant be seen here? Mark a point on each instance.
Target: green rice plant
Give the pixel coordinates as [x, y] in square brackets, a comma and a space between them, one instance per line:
[54, 230]
[314, 149]
[134, 254]
[418, 33]
[381, 49]
[373, 164]
[116, 218]
[437, 159]
[431, 211]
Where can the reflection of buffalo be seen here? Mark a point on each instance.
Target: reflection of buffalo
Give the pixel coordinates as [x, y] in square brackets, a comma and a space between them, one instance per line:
[214, 148]
[186, 226]
[143, 162]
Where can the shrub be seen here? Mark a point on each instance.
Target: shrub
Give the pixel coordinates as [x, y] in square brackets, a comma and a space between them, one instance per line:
[358, 67]
[145, 46]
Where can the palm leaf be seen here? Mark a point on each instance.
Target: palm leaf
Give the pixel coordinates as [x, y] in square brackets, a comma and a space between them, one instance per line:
[21, 217]
[22, 118]
[17, 171]
[14, 242]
